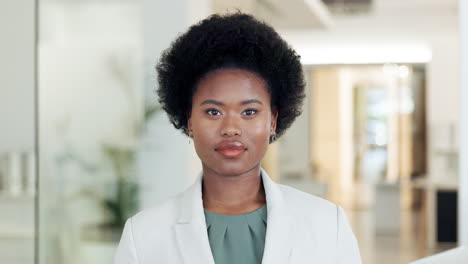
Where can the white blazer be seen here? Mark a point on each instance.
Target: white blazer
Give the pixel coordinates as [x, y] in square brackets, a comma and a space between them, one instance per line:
[301, 228]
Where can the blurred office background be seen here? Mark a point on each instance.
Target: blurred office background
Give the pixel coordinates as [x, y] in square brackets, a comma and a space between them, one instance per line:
[84, 144]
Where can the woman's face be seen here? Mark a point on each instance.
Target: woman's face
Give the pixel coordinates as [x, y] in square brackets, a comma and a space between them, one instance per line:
[231, 121]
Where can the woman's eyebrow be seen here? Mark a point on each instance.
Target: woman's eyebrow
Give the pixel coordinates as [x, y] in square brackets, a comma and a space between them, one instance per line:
[211, 101]
[250, 101]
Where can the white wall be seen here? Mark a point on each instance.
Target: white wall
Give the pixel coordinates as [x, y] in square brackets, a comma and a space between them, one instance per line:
[294, 156]
[17, 67]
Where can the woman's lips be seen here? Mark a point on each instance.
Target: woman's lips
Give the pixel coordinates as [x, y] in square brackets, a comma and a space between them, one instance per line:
[231, 149]
[231, 153]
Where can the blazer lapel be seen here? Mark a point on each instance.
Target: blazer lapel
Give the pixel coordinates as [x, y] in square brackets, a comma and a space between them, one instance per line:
[278, 241]
[192, 236]
[191, 233]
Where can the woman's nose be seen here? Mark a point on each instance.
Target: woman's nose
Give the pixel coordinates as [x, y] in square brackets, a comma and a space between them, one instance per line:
[231, 126]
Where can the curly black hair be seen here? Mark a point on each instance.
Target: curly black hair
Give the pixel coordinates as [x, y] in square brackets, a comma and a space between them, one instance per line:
[230, 41]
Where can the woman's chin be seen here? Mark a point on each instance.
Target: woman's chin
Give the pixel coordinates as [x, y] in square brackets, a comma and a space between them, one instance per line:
[231, 170]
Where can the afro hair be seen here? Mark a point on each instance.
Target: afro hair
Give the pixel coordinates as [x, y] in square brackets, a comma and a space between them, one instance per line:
[230, 41]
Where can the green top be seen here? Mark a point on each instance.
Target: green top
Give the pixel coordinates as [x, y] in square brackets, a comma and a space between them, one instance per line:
[237, 239]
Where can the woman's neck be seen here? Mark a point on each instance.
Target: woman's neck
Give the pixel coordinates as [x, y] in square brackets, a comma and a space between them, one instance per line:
[233, 195]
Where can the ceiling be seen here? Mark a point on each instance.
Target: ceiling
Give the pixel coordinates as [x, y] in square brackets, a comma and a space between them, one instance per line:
[290, 14]
[314, 14]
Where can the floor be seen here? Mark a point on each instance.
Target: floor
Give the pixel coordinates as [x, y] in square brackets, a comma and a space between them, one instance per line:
[402, 245]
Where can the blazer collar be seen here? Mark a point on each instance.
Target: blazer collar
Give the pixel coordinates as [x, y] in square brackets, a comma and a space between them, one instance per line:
[192, 235]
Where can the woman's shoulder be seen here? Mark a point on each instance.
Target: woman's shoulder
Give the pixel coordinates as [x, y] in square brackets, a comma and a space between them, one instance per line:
[160, 214]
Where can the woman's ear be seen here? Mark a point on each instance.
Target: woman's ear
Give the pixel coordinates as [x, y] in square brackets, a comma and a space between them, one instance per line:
[274, 118]
[189, 122]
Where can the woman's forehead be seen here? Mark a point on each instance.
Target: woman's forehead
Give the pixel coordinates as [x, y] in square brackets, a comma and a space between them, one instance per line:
[232, 85]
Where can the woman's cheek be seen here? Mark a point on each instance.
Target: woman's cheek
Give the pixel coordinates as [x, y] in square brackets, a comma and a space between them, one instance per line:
[261, 129]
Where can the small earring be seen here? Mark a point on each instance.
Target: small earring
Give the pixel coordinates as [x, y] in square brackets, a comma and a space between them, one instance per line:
[273, 136]
[190, 136]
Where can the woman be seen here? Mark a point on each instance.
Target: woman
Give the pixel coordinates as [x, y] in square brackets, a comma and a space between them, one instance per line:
[233, 85]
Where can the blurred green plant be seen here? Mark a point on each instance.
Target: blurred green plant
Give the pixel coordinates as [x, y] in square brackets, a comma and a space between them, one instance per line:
[122, 159]
[124, 203]
[120, 201]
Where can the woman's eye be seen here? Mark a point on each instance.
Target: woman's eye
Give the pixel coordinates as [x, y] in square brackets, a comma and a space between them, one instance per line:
[250, 112]
[213, 112]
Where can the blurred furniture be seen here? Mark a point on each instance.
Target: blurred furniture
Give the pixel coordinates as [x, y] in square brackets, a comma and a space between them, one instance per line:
[17, 188]
[457, 255]
[16, 229]
[440, 209]
[446, 214]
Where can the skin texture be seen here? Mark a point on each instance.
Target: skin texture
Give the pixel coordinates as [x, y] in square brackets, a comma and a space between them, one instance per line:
[232, 185]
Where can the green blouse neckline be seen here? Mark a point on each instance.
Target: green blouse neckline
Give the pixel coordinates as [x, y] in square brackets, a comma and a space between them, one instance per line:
[237, 238]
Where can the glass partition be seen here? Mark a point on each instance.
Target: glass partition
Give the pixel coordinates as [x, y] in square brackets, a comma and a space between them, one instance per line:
[91, 117]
